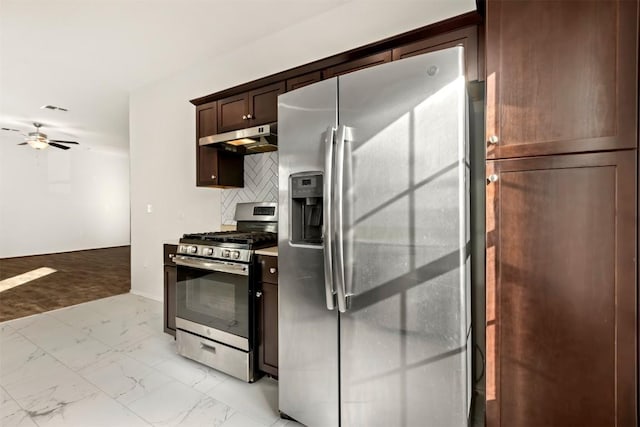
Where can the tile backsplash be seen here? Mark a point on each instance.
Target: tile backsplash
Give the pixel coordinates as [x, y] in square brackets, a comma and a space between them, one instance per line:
[260, 184]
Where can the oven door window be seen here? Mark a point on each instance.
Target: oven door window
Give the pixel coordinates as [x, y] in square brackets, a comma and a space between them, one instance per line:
[214, 299]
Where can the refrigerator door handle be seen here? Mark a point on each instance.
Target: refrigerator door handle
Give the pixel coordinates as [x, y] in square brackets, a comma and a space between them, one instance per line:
[327, 218]
[338, 211]
[347, 220]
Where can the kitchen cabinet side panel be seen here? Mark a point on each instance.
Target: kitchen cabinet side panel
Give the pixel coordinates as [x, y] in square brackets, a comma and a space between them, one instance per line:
[170, 280]
[268, 357]
[561, 291]
[268, 315]
[561, 76]
[230, 169]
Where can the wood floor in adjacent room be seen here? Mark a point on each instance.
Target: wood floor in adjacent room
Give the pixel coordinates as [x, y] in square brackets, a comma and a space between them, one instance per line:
[80, 276]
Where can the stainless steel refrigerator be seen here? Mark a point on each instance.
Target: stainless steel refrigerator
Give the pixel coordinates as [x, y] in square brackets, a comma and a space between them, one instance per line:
[374, 310]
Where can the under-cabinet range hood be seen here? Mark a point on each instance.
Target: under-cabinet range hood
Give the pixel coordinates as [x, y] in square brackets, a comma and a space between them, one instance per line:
[258, 139]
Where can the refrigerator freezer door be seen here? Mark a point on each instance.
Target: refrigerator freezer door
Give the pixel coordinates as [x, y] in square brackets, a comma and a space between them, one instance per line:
[308, 331]
[403, 339]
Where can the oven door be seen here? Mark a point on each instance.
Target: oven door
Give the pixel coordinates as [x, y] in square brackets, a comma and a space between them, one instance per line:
[213, 300]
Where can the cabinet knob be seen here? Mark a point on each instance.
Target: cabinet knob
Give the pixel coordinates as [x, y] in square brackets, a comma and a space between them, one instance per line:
[493, 139]
[492, 178]
[258, 294]
[248, 116]
[272, 270]
[244, 117]
[213, 177]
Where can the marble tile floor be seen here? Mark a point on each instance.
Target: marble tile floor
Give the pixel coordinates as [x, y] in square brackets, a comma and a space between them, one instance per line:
[108, 363]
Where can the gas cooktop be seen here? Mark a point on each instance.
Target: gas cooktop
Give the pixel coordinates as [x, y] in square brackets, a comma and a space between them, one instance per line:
[251, 238]
[257, 225]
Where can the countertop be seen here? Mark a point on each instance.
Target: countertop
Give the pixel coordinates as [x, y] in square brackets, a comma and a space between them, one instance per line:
[170, 242]
[272, 251]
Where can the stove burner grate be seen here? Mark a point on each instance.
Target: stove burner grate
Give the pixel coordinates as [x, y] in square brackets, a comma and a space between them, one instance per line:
[251, 238]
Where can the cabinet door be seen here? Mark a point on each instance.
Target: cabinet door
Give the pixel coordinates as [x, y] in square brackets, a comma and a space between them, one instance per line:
[467, 37]
[206, 161]
[268, 346]
[263, 104]
[232, 113]
[170, 279]
[303, 80]
[218, 168]
[561, 291]
[207, 166]
[561, 76]
[206, 120]
[358, 64]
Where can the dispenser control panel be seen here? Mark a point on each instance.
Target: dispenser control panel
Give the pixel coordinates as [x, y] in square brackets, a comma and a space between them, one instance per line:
[306, 208]
[306, 186]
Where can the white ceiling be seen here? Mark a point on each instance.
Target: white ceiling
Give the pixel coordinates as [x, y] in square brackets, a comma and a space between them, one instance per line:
[87, 55]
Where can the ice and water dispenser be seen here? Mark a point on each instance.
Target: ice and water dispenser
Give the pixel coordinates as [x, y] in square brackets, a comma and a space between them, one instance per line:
[306, 208]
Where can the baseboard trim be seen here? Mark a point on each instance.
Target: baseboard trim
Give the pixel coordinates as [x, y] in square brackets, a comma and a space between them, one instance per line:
[147, 295]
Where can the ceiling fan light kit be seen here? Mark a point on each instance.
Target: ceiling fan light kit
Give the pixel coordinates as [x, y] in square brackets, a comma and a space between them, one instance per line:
[39, 140]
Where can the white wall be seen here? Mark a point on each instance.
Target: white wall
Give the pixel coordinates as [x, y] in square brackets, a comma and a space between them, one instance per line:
[62, 200]
[162, 147]
[162, 122]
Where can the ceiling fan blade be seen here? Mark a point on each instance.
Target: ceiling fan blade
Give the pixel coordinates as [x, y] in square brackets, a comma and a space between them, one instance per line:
[63, 142]
[58, 145]
[12, 130]
[23, 143]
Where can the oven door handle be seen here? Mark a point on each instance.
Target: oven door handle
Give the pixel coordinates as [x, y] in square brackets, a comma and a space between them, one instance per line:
[223, 267]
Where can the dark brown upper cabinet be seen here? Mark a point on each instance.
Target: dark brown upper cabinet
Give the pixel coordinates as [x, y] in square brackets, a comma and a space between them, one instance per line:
[232, 112]
[561, 76]
[215, 168]
[561, 291]
[263, 104]
[466, 37]
[358, 64]
[254, 108]
[206, 119]
[303, 80]
[219, 168]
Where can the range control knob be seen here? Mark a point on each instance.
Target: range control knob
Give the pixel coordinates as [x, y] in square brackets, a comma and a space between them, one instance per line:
[226, 253]
[192, 249]
[208, 251]
[235, 254]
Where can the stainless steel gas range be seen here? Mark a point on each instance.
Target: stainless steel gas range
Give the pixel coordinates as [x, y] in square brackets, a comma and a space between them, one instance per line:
[215, 308]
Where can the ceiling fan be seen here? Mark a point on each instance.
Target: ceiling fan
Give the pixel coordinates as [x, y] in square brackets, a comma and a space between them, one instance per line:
[39, 140]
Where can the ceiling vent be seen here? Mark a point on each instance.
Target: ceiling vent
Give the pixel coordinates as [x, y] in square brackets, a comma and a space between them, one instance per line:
[53, 107]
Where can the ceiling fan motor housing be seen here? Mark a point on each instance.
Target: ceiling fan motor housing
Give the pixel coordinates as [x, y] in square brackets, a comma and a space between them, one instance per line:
[37, 135]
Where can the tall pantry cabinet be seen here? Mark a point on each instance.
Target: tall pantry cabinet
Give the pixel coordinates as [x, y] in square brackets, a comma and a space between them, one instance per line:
[562, 138]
